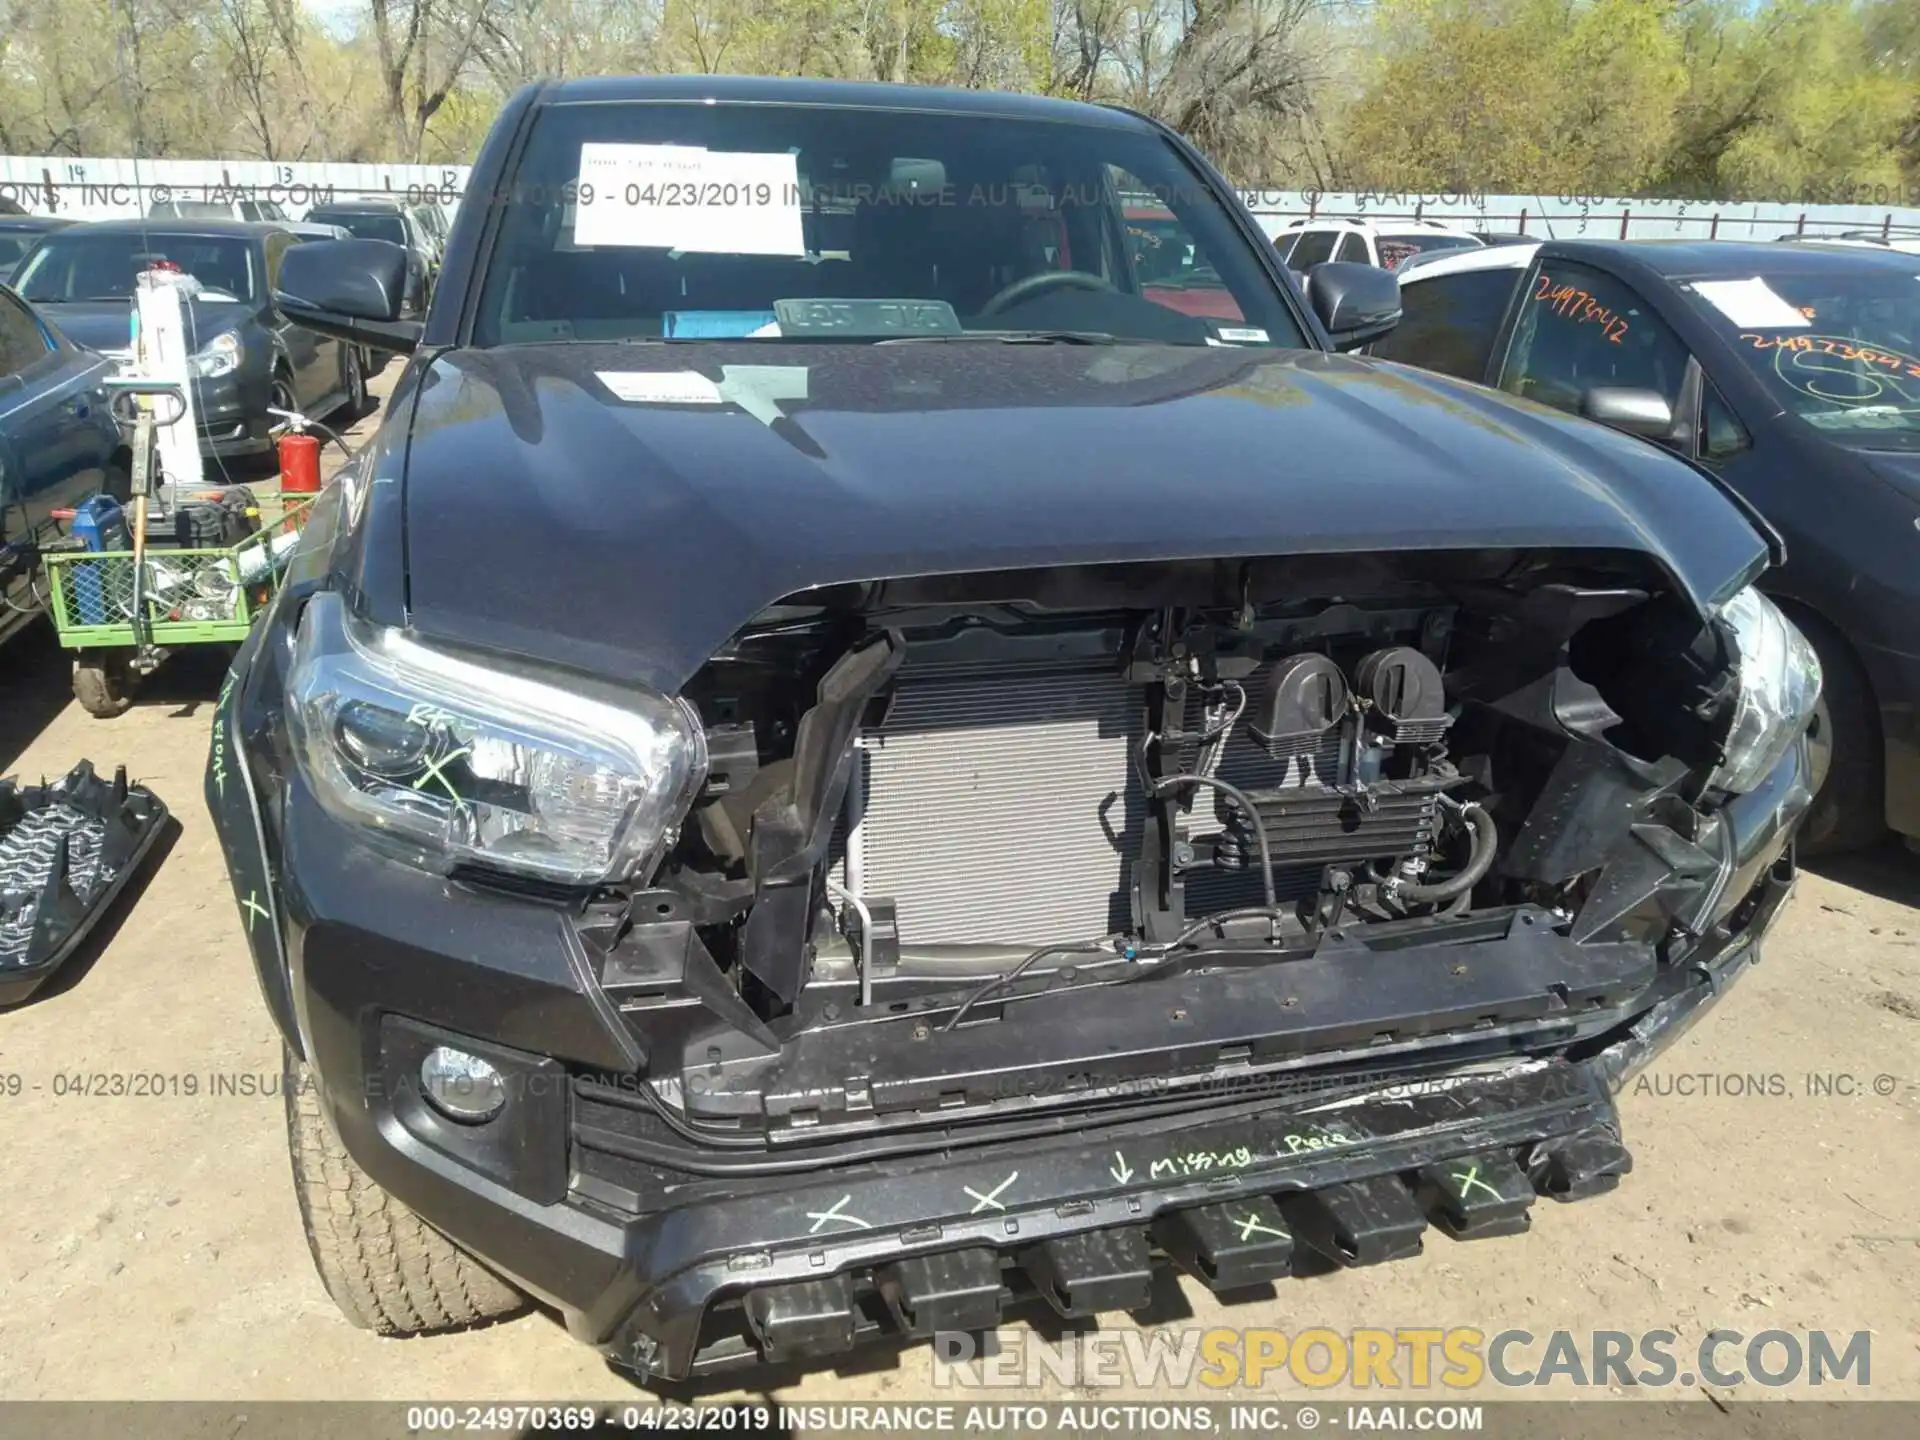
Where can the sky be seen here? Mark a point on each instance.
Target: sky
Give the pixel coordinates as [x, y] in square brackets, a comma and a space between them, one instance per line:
[335, 16]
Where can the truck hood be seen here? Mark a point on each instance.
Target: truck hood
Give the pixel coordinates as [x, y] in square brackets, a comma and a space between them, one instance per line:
[624, 508]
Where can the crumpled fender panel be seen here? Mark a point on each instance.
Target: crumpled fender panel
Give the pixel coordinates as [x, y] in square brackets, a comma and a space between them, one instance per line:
[67, 849]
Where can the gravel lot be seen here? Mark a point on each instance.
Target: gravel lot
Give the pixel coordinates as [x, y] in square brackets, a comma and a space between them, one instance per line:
[152, 1248]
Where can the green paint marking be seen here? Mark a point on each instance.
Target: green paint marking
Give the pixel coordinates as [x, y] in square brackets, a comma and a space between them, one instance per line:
[253, 908]
[1469, 1178]
[435, 772]
[1251, 1225]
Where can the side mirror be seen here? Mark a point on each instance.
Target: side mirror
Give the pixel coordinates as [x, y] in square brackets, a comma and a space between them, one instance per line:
[354, 290]
[1356, 303]
[1645, 413]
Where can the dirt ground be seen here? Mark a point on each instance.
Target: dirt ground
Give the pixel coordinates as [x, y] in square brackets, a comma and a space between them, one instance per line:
[151, 1247]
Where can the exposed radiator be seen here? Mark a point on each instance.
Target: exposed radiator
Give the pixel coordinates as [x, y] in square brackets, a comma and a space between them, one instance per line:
[1006, 807]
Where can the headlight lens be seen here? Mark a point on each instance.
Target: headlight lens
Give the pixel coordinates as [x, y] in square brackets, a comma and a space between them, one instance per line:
[219, 356]
[1779, 687]
[455, 762]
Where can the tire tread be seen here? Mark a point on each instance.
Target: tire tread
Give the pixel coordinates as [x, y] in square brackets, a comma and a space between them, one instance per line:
[385, 1268]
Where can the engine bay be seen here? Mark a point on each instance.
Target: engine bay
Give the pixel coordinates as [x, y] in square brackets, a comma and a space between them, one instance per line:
[930, 802]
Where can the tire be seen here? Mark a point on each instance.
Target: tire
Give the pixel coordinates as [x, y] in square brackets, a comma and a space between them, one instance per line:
[354, 381]
[1849, 810]
[280, 397]
[103, 683]
[117, 482]
[385, 1268]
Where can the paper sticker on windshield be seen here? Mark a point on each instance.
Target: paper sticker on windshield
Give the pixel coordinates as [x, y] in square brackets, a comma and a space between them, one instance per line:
[1243, 335]
[653, 387]
[1750, 304]
[679, 197]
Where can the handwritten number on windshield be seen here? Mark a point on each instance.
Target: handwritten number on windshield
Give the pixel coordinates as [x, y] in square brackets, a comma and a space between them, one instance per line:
[1813, 364]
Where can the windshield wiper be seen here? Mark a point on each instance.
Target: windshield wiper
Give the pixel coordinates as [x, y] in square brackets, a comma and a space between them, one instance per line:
[1010, 337]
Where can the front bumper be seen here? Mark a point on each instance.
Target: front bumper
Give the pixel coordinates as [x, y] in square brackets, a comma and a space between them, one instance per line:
[232, 414]
[676, 1268]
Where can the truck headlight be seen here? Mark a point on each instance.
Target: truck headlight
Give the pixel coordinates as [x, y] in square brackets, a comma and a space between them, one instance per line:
[219, 356]
[1779, 687]
[450, 761]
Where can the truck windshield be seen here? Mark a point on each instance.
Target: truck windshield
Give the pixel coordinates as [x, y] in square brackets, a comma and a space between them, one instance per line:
[654, 220]
[1838, 347]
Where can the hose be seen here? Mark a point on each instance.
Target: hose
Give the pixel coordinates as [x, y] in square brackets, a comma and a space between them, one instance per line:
[859, 906]
[1486, 840]
[975, 996]
[1239, 797]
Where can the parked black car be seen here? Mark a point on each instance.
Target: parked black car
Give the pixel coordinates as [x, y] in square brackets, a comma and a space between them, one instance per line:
[59, 443]
[1790, 371]
[784, 771]
[395, 223]
[248, 357]
[19, 234]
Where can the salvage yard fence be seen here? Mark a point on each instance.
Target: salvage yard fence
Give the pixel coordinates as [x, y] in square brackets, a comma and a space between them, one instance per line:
[1884, 211]
[100, 189]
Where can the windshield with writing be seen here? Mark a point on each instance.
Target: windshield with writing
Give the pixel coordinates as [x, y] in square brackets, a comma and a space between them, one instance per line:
[1840, 349]
[771, 222]
[79, 265]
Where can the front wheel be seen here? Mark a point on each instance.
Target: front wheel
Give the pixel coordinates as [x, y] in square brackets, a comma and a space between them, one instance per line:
[1849, 802]
[103, 683]
[384, 1267]
[117, 482]
[353, 380]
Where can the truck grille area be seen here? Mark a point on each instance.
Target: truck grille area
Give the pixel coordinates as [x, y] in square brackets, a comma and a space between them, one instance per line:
[1007, 806]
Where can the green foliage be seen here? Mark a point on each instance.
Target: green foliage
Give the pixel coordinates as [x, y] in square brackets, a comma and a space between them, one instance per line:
[1637, 97]
[1732, 98]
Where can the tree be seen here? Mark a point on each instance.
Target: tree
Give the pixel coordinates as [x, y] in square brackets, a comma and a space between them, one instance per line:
[424, 49]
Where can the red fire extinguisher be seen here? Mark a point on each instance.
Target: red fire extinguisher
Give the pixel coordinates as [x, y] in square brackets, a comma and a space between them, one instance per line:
[299, 463]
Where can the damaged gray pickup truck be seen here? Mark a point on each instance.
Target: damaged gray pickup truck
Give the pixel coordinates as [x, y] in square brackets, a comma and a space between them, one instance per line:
[876, 738]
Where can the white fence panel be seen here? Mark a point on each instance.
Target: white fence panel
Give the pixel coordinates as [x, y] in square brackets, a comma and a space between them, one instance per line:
[103, 189]
[99, 189]
[1567, 217]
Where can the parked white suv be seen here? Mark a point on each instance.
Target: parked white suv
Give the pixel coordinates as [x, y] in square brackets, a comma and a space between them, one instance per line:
[1384, 243]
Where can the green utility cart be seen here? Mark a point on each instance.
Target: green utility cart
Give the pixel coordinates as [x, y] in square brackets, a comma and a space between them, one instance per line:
[121, 630]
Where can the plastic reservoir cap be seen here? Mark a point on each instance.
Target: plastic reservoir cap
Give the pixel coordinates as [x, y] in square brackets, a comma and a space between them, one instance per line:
[1403, 684]
[1304, 695]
